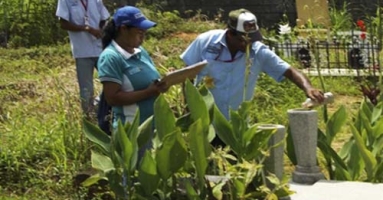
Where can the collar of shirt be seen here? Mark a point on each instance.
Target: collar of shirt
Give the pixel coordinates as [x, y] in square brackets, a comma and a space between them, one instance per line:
[124, 53]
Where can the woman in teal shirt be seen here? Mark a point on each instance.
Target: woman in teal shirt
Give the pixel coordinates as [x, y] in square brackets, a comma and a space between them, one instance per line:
[126, 70]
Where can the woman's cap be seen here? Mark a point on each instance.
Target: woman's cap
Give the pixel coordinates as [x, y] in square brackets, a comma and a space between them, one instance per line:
[245, 22]
[132, 16]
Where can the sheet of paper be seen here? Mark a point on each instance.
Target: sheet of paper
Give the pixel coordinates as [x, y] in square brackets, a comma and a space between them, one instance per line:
[180, 75]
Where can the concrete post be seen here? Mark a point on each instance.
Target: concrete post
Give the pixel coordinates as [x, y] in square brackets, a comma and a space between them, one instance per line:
[304, 127]
[274, 163]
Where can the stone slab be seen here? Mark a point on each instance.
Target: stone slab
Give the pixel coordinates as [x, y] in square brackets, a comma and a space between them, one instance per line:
[337, 190]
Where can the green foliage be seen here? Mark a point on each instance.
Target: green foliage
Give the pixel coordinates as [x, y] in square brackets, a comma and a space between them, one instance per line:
[360, 157]
[30, 22]
[164, 168]
[341, 19]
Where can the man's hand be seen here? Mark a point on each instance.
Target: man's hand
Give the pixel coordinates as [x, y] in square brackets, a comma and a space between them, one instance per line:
[95, 32]
[315, 94]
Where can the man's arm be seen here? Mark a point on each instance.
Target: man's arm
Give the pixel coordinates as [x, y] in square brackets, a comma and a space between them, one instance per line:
[66, 25]
[304, 83]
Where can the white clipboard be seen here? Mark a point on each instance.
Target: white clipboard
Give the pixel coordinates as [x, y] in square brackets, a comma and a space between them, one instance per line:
[180, 75]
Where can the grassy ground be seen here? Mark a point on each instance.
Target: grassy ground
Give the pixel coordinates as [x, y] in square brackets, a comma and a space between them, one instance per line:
[42, 144]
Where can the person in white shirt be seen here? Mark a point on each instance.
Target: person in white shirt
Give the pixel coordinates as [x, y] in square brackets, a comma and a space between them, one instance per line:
[84, 19]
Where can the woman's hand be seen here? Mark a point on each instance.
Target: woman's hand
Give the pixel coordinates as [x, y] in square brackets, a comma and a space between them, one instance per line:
[158, 87]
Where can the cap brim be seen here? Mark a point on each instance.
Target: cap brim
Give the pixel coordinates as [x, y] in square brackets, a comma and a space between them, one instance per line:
[145, 24]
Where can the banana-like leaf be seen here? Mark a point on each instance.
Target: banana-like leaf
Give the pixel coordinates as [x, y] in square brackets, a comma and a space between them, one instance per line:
[190, 191]
[335, 123]
[239, 126]
[207, 97]
[196, 104]
[145, 132]
[101, 162]
[114, 179]
[132, 133]
[126, 148]
[378, 174]
[165, 121]
[377, 147]
[355, 162]
[258, 143]
[366, 108]
[377, 129]
[224, 130]
[172, 154]
[376, 112]
[367, 156]
[367, 135]
[97, 136]
[344, 152]
[200, 148]
[148, 175]
[93, 180]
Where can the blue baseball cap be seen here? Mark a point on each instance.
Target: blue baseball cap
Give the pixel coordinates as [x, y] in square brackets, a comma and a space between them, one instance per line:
[132, 16]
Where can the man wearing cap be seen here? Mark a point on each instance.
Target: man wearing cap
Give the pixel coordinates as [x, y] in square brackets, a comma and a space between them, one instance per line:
[83, 19]
[225, 51]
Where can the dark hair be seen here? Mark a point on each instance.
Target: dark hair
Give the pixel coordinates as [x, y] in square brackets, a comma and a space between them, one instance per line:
[109, 32]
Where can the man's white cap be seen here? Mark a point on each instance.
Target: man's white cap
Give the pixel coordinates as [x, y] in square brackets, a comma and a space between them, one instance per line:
[243, 21]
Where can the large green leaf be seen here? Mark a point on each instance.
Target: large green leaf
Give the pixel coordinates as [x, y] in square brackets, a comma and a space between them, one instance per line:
[101, 162]
[207, 97]
[377, 147]
[366, 108]
[224, 129]
[378, 174]
[96, 135]
[355, 162]
[132, 133]
[114, 179]
[377, 129]
[190, 191]
[258, 143]
[335, 123]
[376, 112]
[171, 155]
[147, 174]
[367, 156]
[126, 148]
[200, 148]
[164, 119]
[239, 125]
[366, 131]
[344, 152]
[145, 132]
[196, 104]
[93, 180]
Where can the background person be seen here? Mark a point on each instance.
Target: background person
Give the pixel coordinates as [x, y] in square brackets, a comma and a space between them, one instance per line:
[83, 19]
[225, 52]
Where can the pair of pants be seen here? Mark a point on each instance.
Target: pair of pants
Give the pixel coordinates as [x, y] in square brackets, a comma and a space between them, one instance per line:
[85, 68]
